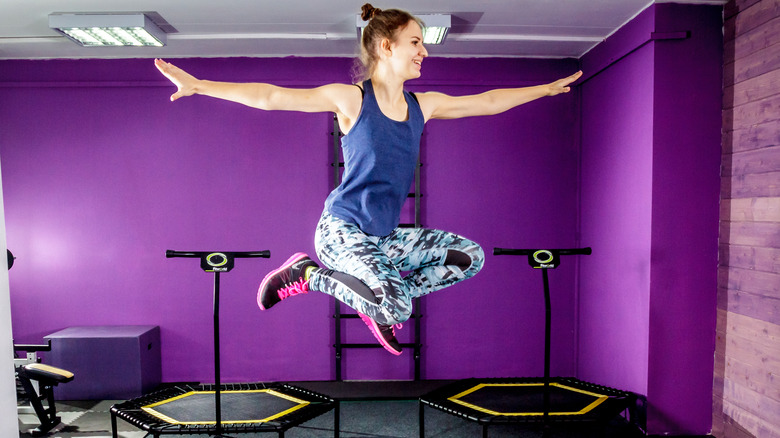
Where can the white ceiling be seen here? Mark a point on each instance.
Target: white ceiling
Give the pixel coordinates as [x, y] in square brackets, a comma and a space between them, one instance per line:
[200, 28]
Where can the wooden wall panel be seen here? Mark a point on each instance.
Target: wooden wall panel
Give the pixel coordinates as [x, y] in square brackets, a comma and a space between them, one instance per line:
[746, 384]
[754, 137]
[749, 304]
[753, 113]
[753, 41]
[758, 234]
[732, 8]
[746, 369]
[750, 15]
[752, 162]
[764, 284]
[749, 186]
[752, 89]
[751, 209]
[755, 64]
[749, 257]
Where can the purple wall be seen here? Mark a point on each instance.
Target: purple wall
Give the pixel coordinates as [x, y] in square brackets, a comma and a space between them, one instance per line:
[686, 194]
[102, 174]
[651, 146]
[616, 207]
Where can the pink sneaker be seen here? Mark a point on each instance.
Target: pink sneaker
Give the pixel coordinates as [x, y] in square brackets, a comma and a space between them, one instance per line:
[286, 281]
[385, 334]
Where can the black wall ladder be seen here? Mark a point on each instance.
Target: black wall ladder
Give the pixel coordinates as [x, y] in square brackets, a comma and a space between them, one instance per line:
[338, 165]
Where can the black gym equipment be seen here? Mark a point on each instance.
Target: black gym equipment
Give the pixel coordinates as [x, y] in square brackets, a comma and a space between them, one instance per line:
[38, 380]
[249, 407]
[543, 403]
[46, 377]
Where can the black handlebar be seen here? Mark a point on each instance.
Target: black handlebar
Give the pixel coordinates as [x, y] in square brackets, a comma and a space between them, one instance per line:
[197, 254]
[571, 251]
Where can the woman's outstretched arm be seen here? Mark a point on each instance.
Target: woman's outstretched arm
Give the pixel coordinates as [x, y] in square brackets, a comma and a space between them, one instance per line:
[339, 98]
[441, 106]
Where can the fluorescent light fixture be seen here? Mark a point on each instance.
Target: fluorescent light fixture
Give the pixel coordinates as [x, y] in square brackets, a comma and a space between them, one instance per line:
[101, 30]
[436, 26]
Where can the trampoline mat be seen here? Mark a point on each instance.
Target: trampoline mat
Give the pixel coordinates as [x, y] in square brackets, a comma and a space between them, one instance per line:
[256, 407]
[528, 399]
[251, 406]
[522, 400]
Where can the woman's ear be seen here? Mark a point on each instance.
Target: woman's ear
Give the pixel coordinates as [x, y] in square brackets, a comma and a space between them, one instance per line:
[386, 47]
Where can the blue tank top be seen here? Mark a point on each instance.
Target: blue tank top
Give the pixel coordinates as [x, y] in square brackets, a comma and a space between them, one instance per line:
[380, 155]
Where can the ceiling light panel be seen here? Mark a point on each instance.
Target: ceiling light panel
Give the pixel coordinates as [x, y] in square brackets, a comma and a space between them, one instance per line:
[106, 30]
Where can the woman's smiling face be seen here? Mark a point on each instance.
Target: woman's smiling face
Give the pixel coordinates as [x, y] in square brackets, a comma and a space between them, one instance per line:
[408, 51]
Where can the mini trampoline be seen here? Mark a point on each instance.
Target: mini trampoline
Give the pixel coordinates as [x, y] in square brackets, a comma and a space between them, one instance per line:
[572, 402]
[535, 402]
[217, 409]
[246, 408]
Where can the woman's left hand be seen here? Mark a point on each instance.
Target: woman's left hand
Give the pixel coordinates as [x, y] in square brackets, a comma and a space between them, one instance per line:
[562, 85]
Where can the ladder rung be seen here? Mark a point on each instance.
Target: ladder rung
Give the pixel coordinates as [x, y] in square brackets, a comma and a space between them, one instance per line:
[356, 316]
[355, 345]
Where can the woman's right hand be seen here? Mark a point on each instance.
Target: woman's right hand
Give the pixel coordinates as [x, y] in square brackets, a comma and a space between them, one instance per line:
[185, 82]
[342, 99]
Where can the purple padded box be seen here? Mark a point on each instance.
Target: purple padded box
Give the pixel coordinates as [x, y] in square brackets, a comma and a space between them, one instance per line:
[109, 362]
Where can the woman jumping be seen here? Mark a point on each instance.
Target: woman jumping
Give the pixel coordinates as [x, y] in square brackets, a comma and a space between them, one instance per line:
[358, 239]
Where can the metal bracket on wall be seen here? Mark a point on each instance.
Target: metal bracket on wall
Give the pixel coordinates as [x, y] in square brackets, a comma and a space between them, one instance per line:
[681, 35]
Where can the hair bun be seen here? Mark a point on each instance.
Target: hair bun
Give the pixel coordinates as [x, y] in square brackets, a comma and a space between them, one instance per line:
[368, 12]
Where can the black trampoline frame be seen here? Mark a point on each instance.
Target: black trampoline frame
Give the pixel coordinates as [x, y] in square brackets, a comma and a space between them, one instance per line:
[616, 401]
[133, 412]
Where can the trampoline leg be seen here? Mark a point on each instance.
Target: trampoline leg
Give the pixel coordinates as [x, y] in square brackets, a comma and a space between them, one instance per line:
[484, 431]
[337, 419]
[422, 420]
[113, 425]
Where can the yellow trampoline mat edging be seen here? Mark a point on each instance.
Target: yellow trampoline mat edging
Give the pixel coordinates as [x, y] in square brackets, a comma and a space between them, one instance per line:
[599, 400]
[151, 411]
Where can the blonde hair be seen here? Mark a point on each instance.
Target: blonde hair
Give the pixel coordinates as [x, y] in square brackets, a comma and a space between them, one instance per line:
[381, 24]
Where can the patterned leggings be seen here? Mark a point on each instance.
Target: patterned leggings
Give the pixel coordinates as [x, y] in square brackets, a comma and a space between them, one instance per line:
[364, 271]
